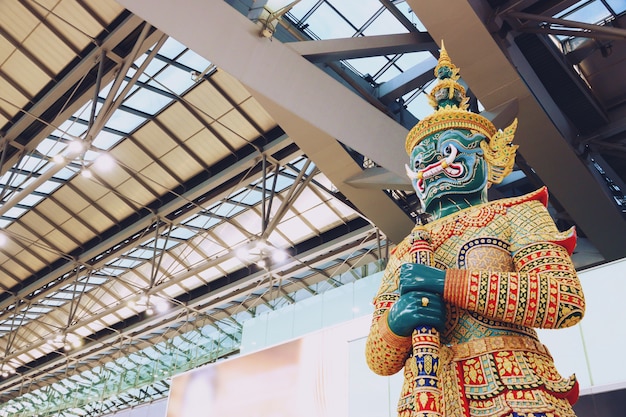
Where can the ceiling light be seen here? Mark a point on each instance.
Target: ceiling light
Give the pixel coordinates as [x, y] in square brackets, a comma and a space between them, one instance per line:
[104, 162]
[279, 255]
[75, 146]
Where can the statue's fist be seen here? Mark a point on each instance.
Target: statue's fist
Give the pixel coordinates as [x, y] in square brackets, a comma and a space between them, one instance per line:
[414, 309]
[418, 277]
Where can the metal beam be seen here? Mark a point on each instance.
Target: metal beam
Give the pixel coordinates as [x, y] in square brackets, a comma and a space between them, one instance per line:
[314, 109]
[275, 71]
[366, 46]
[413, 78]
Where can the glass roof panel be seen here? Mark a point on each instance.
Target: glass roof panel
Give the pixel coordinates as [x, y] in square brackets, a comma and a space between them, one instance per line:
[147, 101]
[14, 212]
[328, 24]
[51, 146]
[124, 121]
[48, 187]
[171, 48]
[105, 140]
[384, 24]
[176, 80]
[247, 196]
[585, 11]
[182, 233]
[618, 6]
[69, 129]
[358, 11]
[226, 209]
[193, 60]
[31, 200]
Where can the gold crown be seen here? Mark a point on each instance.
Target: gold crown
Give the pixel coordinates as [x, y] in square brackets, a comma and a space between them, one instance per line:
[446, 118]
[451, 112]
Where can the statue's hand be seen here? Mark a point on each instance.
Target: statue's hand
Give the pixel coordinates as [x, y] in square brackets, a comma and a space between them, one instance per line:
[414, 309]
[418, 277]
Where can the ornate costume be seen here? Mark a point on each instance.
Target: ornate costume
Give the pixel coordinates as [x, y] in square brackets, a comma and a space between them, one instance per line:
[503, 267]
[510, 272]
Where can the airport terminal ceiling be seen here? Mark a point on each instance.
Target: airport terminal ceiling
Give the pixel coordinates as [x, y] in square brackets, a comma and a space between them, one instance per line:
[171, 169]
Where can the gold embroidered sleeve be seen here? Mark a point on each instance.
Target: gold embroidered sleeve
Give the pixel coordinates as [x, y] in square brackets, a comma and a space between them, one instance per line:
[544, 290]
[545, 293]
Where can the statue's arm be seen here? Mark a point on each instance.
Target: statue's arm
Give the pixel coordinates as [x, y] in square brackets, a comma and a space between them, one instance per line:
[543, 292]
[386, 352]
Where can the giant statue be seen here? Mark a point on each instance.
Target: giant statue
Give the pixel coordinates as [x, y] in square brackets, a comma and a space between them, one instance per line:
[462, 294]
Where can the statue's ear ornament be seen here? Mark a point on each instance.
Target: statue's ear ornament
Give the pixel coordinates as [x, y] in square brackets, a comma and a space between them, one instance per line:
[499, 152]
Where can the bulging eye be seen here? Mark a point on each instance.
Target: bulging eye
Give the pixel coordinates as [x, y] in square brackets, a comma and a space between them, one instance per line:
[417, 163]
[447, 151]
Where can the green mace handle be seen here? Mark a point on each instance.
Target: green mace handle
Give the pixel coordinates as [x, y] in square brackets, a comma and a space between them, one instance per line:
[426, 345]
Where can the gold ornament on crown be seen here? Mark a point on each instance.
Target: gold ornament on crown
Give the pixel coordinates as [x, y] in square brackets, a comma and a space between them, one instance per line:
[453, 113]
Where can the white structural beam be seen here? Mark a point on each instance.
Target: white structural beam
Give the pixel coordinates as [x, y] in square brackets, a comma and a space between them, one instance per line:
[232, 42]
[496, 81]
[409, 80]
[313, 108]
[349, 48]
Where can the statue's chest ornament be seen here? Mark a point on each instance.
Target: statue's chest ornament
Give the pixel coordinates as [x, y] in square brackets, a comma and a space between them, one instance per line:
[457, 225]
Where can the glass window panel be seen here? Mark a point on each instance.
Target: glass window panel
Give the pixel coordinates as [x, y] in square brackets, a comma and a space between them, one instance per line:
[384, 24]
[94, 279]
[106, 140]
[48, 187]
[62, 296]
[69, 129]
[106, 90]
[248, 196]
[149, 244]
[193, 60]
[282, 182]
[388, 74]
[226, 209]
[298, 11]
[327, 24]
[593, 12]
[173, 80]
[51, 147]
[357, 11]
[32, 163]
[182, 233]
[14, 212]
[31, 200]
[407, 61]
[65, 174]
[369, 65]
[171, 48]
[152, 68]
[618, 6]
[52, 302]
[11, 178]
[142, 253]
[125, 263]
[147, 101]
[203, 222]
[124, 121]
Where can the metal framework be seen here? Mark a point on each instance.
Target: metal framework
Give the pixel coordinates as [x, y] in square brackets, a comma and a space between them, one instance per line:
[234, 189]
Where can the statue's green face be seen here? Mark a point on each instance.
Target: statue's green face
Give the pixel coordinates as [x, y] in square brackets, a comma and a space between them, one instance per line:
[447, 168]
